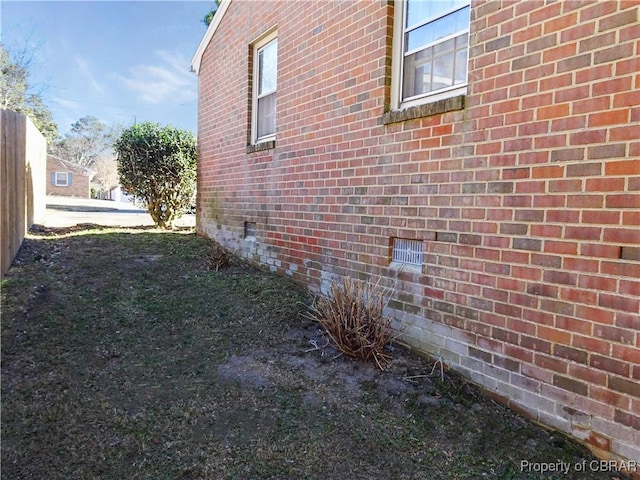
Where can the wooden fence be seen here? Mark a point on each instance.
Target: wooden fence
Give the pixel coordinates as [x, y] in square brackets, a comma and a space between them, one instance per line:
[23, 167]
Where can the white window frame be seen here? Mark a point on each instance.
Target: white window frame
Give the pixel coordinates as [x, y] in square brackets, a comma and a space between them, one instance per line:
[258, 45]
[58, 178]
[397, 62]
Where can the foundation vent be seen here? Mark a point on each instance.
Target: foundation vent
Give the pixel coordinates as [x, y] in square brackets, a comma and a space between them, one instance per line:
[250, 230]
[407, 251]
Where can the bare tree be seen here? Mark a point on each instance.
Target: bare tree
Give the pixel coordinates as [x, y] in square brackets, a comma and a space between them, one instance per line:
[106, 168]
[16, 93]
[88, 140]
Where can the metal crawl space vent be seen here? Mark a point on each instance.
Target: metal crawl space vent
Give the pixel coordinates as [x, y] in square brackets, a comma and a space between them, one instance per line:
[407, 251]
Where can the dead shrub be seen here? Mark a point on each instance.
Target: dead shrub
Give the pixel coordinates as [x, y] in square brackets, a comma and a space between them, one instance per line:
[219, 257]
[352, 315]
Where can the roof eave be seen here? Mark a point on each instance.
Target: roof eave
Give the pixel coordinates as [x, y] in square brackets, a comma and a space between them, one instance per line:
[204, 43]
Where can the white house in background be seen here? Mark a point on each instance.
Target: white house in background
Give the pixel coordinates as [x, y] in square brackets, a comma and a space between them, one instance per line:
[116, 194]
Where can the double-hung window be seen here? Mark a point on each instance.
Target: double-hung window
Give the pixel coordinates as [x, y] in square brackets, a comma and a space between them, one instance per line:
[61, 179]
[265, 75]
[431, 47]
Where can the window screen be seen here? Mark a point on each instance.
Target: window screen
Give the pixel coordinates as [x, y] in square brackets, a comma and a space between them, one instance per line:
[436, 38]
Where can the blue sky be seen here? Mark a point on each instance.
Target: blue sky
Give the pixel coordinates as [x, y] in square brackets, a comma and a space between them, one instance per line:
[121, 62]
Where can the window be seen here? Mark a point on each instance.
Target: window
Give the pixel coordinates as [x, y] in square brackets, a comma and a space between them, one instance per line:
[61, 179]
[431, 43]
[265, 75]
[406, 251]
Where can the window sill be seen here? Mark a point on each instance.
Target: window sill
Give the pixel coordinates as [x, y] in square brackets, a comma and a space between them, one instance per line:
[426, 110]
[259, 147]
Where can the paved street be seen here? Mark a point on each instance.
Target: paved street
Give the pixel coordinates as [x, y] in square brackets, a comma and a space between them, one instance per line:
[68, 211]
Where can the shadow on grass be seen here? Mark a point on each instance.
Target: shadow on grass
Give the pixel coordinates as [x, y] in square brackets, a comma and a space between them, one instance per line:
[86, 228]
[125, 356]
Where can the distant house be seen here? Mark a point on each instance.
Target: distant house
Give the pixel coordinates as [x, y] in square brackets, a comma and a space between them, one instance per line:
[68, 179]
[482, 156]
[116, 194]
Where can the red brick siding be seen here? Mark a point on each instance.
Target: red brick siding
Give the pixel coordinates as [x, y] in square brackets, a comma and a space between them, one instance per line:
[79, 183]
[526, 199]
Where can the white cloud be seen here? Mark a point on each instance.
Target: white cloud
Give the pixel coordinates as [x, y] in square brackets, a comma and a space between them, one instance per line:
[169, 80]
[83, 67]
[70, 104]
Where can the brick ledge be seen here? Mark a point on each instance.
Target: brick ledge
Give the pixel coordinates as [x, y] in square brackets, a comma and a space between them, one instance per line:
[259, 147]
[427, 110]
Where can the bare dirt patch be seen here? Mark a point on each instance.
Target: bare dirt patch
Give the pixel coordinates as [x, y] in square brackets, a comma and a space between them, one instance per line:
[126, 355]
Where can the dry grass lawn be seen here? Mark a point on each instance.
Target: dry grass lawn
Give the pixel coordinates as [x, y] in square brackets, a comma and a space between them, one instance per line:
[125, 356]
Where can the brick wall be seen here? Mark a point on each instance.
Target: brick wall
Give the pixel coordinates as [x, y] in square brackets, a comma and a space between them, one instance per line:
[80, 185]
[524, 193]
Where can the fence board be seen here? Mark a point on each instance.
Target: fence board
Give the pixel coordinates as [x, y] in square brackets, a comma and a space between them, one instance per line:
[23, 157]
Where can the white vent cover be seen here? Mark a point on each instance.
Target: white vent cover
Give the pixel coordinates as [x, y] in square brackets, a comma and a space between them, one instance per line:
[407, 251]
